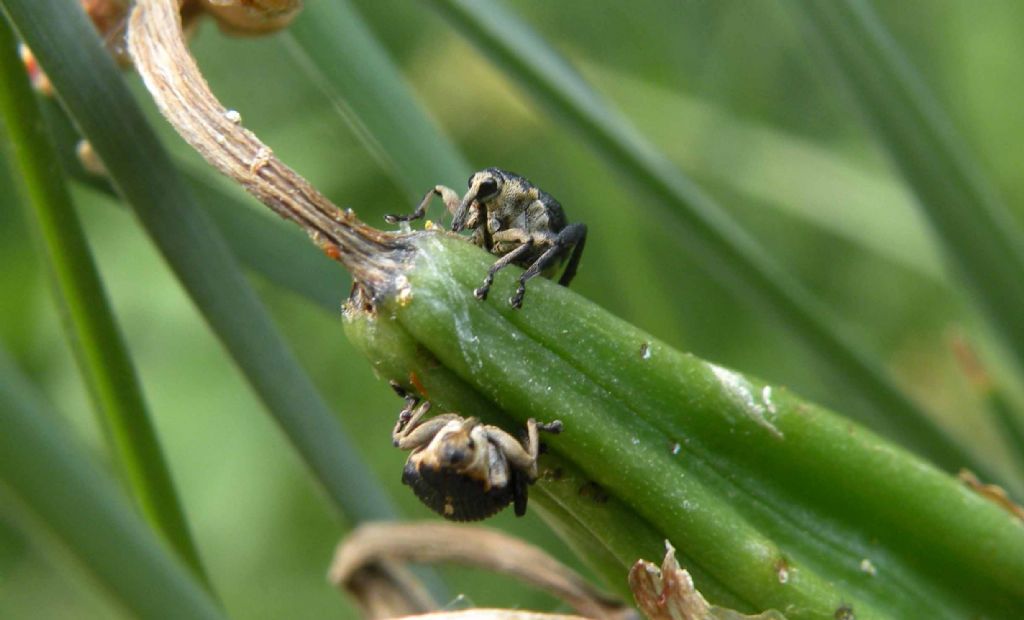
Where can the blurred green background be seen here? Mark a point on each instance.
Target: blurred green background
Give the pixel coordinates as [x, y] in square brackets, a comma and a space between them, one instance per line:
[728, 90]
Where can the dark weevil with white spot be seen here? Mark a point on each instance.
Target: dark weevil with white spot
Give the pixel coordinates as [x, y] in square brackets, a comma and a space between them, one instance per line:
[462, 469]
[515, 220]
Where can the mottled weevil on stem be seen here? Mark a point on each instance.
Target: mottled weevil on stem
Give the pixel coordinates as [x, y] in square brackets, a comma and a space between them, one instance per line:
[462, 469]
[514, 220]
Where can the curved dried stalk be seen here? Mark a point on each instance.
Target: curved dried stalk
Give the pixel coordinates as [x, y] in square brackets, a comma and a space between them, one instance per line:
[158, 49]
[364, 564]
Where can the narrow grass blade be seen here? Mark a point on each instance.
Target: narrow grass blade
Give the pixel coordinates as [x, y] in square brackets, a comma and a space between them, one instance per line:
[62, 491]
[773, 501]
[703, 226]
[275, 251]
[91, 89]
[336, 45]
[779, 169]
[981, 239]
[91, 328]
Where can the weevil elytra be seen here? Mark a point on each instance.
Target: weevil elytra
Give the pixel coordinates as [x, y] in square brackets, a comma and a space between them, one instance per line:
[462, 469]
[515, 220]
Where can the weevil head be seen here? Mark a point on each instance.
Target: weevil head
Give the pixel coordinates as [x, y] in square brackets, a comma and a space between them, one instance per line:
[452, 474]
[460, 446]
[485, 187]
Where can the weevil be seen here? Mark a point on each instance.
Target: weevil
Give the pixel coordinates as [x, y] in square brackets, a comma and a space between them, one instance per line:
[514, 220]
[462, 469]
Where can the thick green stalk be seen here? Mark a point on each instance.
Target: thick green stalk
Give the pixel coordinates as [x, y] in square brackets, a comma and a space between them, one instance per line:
[60, 490]
[775, 502]
[95, 96]
[703, 226]
[91, 328]
[982, 240]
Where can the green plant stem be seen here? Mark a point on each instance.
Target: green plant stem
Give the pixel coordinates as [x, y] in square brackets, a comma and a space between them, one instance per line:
[62, 491]
[704, 227]
[91, 328]
[90, 88]
[981, 239]
[773, 500]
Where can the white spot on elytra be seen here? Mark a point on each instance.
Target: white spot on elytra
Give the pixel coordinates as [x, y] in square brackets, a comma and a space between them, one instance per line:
[739, 391]
[867, 567]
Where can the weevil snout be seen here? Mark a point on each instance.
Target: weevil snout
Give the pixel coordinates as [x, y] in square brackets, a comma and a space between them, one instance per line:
[457, 447]
[452, 455]
[482, 186]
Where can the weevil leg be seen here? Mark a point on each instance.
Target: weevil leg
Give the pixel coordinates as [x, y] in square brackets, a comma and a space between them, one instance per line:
[448, 196]
[580, 234]
[418, 433]
[408, 418]
[551, 427]
[501, 263]
[520, 492]
[411, 400]
[567, 238]
[522, 457]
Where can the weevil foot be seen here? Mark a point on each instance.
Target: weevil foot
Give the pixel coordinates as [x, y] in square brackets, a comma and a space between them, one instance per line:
[516, 301]
[551, 427]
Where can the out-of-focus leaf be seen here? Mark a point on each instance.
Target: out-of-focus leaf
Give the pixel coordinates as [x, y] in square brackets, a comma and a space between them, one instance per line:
[91, 328]
[336, 45]
[95, 96]
[778, 169]
[60, 490]
[704, 227]
[981, 239]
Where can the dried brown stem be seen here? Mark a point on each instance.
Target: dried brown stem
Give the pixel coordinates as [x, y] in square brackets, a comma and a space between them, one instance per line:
[157, 46]
[370, 546]
[252, 17]
[667, 593]
[491, 614]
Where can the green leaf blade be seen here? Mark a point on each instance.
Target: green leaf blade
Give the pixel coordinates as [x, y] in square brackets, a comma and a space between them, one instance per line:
[357, 74]
[981, 239]
[87, 515]
[91, 328]
[95, 96]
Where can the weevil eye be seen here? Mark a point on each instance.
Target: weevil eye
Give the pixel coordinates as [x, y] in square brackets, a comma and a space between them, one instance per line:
[471, 444]
[487, 187]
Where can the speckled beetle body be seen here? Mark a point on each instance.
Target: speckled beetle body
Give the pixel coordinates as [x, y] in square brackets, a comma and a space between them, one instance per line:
[462, 469]
[515, 220]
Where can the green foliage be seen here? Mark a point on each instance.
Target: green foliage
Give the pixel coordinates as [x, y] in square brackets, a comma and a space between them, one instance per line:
[62, 491]
[92, 330]
[264, 531]
[755, 486]
[68, 49]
